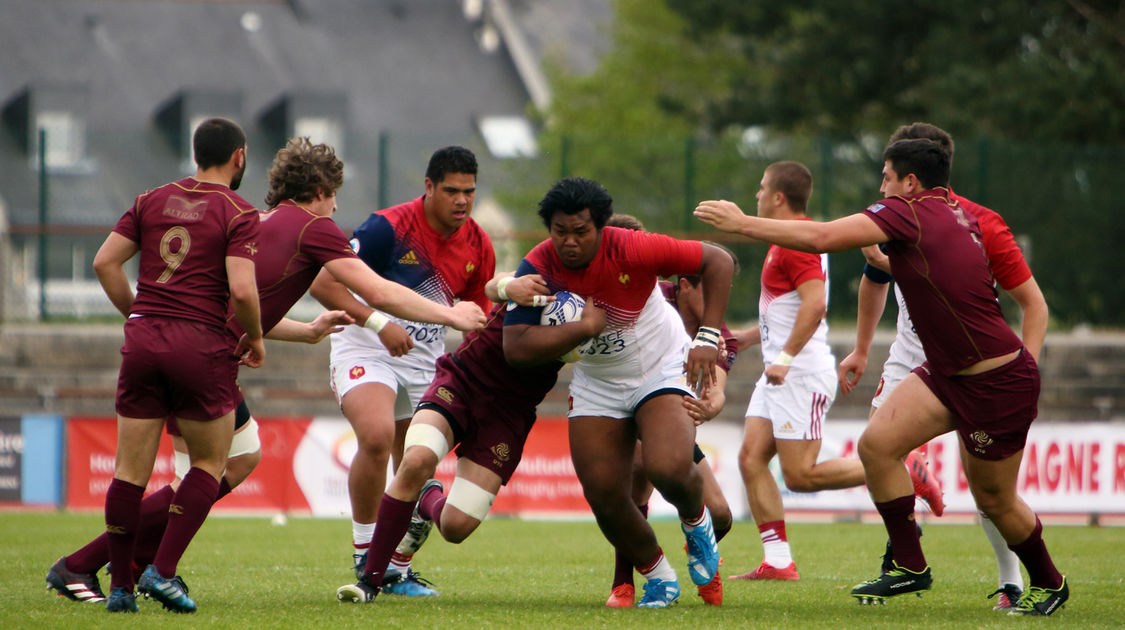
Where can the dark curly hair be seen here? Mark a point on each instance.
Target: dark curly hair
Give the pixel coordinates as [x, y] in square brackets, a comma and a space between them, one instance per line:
[573, 195]
[301, 170]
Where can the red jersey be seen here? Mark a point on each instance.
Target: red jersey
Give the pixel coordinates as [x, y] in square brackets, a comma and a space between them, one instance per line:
[937, 257]
[1004, 256]
[185, 230]
[293, 245]
[481, 359]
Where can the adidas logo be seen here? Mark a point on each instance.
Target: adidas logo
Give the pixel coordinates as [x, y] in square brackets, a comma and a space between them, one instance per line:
[408, 259]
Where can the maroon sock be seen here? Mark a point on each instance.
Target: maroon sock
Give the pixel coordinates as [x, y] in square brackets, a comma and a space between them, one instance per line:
[720, 532]
[391, 523]
[122, 519]
[1033, 554]
[622, 568]
[430, 505]
[224, 488]
[154, 520]
[898, 518]
[186, 513]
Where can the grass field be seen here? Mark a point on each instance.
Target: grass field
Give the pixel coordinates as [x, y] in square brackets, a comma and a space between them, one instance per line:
[247, 573]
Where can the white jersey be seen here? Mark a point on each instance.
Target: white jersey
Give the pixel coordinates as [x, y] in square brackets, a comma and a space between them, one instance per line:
[907, 347]
[778, 306]
[356, 343]
[639, 348]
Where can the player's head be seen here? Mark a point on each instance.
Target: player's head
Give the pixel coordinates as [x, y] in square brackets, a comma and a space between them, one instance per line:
[913, 165]
[924, 131]
[625, 221]
[689, 295]
[302, 171]
[575, 210]
[218, 142]
[451, 186]
[784, 185]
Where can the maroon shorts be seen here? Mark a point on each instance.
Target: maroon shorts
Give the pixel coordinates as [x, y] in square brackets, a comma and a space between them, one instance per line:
[993, 410]
[490, 426]
[176, 367]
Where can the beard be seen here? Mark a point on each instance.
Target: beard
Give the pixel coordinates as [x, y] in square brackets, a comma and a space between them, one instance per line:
[236, 181]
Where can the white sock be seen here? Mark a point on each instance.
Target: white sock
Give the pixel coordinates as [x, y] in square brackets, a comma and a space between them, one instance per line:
[362, 533]
[662, 570]
[399, 565]
[1007, 563]
[776, 551]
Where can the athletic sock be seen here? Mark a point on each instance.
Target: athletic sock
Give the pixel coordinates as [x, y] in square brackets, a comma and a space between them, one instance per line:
[775, 544]
[122, 518]
[399, 564]
[898, 518]
[703, 517]
[362, 533]
[224, 488]
[430, 505]
[1041, 571]
[153, 515]
[658, 567]
[186, 513]
[154, 520]
[394, 520]
[1007, 563]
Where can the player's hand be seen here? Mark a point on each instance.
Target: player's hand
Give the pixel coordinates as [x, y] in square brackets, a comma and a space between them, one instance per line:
[775, 374]
[467, 316]
[700, 368]
[723, 215]
[524, 289]
[705, 407]
[876, 258]
[250, 352]
[396, 340]
[851, 370]
[593, 316]
[327, 323]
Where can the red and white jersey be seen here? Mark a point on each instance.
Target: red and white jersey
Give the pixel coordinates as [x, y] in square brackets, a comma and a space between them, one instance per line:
[784, 271]
[622, 278]
[1005, 260]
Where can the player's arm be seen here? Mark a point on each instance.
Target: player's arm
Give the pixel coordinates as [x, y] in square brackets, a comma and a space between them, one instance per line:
[244, 301]
[850, 232]
[325, 324]
[333, 294]
[1033, 307]
[716, 271]
[109, 266]
[393, 298]
[711, 403]
[750, 337]
[531, 344]
[876, 258]
[809, 314]
[872, 302]
[529, 290]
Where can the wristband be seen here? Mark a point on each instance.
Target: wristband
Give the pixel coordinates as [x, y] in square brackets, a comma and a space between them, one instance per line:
[376, 322]
[706, 337]
[502, 286]
[784, 359]
[539, 300]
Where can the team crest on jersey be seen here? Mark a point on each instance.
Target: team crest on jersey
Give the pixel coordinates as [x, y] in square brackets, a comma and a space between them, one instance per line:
[981, 438]
[502, 451]
[875, 207]
[175, 509]
[409, 259]
[623, 278]
[444, 394]
[356, 372]
[251, 248]
[469, 268]
[355, 245]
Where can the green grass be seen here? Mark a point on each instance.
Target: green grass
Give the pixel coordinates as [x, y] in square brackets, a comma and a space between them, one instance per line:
[246, 573]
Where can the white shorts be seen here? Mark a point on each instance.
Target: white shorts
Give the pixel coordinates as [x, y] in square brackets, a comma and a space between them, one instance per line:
[797, 407]
[408, 384]
[620, 397]
[893, 373]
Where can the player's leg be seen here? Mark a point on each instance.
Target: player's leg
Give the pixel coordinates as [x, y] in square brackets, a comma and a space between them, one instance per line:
[369, 407]
[721, 519]
[993, 484]
[764, 500]
[668, 435]
[911, 416]
[138, 440]
[1009, 580]
[622, 592]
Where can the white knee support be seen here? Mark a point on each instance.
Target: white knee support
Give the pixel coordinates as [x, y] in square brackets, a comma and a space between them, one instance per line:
[426, 435]
[245, 441]
[470, 498]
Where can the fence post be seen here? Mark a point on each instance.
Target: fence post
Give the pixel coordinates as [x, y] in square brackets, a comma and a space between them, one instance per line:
[564, 156]
[43, 314]
[984, 150]
[689, 182]
[825, 185]
[384, 157]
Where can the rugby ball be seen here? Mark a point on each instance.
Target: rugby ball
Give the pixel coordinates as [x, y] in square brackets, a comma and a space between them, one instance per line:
[567, 307]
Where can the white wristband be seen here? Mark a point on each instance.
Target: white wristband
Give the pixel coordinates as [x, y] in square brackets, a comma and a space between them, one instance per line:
[376, 322]
[502, 286]
[784, 359]
[706, 337]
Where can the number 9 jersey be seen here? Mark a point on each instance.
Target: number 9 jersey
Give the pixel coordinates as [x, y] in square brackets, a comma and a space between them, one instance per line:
[185, 231]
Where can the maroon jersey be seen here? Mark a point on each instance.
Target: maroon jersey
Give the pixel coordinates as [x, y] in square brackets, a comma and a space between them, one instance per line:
[185, 231]
[293, 245]
[481, 357]
[938, 259]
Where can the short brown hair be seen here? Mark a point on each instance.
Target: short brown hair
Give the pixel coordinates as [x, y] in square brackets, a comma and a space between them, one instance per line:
[626, 221]
[792, 179]
[924, 131]
[301, 170]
